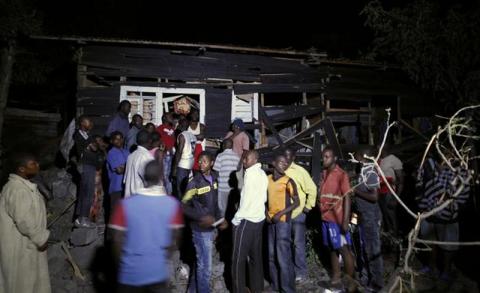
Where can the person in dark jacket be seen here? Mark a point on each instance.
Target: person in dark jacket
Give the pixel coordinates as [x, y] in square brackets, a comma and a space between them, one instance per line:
[200, 205]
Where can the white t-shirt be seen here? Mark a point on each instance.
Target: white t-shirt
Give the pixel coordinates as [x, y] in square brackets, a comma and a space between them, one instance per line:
[135, 169]
[389, 165]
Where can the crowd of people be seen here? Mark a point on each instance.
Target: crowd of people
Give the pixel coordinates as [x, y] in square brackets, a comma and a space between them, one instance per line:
[161, 177]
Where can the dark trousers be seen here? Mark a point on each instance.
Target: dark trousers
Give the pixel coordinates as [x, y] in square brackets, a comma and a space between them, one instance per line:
[182, 181]
[371, 270]
[388, 205]
[282, 272]
[152, 288]
[247, 243]
[298, 231]
[86, 191]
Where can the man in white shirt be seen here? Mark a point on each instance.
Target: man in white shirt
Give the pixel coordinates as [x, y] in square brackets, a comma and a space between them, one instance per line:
[392, 167]
[248, 225]
[136, 163]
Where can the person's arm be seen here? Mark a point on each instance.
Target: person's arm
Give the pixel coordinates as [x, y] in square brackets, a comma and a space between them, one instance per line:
[118, 228]
[319, 190]
[346, 212]
[201, 136]
[292, 191]
[218, 214]
[178, 154]
[217, 166]
[22, 209]
[115, 164]
[176, 225]
[245, 147]
[190, 210]
[310, 191]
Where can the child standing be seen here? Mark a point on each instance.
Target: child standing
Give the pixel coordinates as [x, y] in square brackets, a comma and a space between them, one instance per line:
[200, 205]
[335, 210]
[282, 200]
[116, 161]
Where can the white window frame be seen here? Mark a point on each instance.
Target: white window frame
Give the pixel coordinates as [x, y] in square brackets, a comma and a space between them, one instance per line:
[254, 107]
[161, 103]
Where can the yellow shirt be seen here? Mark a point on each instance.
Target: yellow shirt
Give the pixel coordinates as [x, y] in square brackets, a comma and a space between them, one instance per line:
[306, 188]
[280, 194]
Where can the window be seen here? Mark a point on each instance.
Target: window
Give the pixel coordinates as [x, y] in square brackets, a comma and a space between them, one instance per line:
[245, 107]
[152, 102]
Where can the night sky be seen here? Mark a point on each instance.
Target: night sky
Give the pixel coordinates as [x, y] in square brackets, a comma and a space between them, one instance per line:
[335, 27]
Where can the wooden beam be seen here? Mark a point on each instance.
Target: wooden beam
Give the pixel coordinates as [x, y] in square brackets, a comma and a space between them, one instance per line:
[294, 112]
[264, 117]
[316, 162]
[332, 137]
[263, 137]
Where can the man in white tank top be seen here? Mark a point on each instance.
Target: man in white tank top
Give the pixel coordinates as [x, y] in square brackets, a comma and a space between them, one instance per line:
[198, 129]
[183, 163]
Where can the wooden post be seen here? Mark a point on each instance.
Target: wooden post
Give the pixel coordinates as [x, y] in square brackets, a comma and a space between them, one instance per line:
[370, 132]
[263, 137]
[316, 163]
[304, 119]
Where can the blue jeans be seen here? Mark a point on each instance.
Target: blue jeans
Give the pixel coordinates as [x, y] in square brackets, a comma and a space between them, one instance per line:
[167, 170]
[200, 280]
[282, 272]
[298, 231]
[182, 181]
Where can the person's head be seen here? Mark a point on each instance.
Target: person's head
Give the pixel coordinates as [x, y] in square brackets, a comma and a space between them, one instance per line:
[144, 139]
[116, 139]
[280, 164]
[153, 173]
[194, 116]
[362, 152]
[100, 142]
[25, 165]
[290, 155]
[183, 124]
[227, 144]
[250, 159]
[329, 157]
[237, 125]
[84, 123]
[150, 127]
[205, 162]
[124, 107]
[156, 141]
[167, 118]
[137, 121]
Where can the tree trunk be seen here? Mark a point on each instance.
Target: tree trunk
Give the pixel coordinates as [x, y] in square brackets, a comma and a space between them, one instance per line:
[7, 58]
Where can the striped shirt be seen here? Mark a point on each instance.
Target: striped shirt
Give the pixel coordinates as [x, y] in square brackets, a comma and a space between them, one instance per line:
[225, 163]
[441, 186]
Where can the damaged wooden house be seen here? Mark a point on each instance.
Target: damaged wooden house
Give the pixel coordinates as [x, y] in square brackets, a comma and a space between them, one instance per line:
[286, 97]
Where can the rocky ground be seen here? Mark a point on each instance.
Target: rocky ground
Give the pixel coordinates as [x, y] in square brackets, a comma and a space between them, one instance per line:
[80, 263]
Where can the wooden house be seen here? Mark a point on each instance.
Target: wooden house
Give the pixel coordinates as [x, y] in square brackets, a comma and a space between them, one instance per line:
[270, 89]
